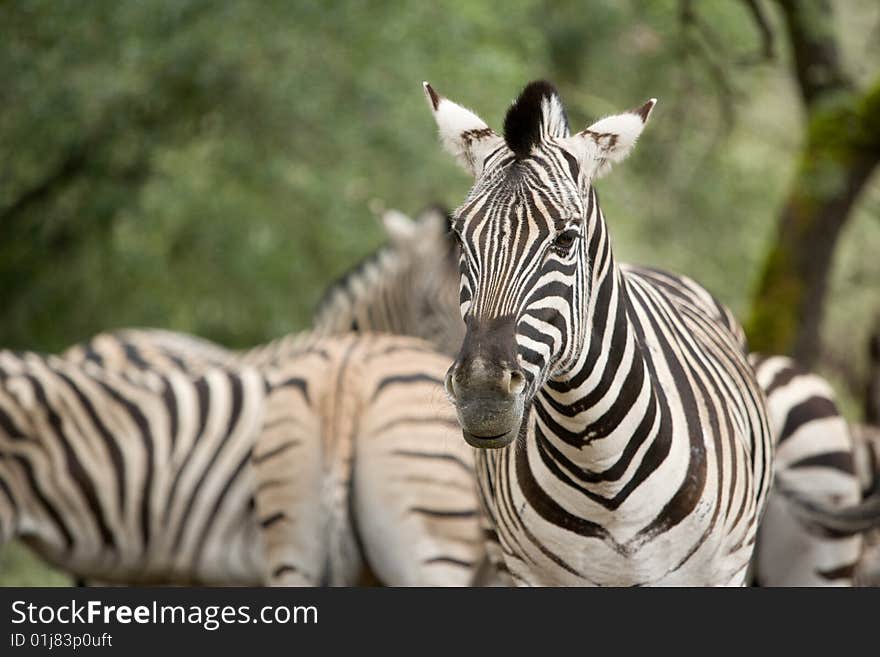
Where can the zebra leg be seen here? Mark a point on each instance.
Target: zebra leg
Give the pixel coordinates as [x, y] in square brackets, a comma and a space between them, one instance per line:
[287, 471]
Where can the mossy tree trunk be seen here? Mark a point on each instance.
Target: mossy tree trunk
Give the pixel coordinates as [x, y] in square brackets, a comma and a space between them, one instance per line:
[841, 151]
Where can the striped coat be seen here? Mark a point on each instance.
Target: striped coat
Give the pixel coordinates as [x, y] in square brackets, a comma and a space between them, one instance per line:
[314, 456]
[622, 437]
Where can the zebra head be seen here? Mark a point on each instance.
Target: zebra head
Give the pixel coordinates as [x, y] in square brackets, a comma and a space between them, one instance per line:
[528, 230]
[426, 287]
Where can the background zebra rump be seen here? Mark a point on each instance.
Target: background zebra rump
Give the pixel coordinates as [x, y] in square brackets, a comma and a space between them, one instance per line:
[814, 456]
[817, 455]
[396, 476]
[129, 477]
[638, 448]
[408, 469]
[866, 438]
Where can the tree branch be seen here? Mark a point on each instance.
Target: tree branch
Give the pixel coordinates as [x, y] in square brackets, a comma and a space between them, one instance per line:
[701, 47]
[768, 41]
[810, 27]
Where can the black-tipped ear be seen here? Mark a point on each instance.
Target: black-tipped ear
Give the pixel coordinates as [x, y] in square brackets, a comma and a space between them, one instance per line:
[610, 140]
[463, 133]
[431, 95]
[645, 110]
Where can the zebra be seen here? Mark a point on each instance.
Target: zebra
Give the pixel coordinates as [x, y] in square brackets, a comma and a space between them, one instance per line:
[380, 295]
[815, 456]
[399, 476]
[621, 436]
[120, 477]
[405, 288]
[867, 459]
[399, 485]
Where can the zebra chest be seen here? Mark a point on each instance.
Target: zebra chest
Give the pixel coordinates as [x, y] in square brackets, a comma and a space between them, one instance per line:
[551, 536]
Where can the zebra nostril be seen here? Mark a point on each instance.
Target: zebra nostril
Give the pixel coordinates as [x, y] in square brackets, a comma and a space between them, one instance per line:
[449, 383]
[517, 382]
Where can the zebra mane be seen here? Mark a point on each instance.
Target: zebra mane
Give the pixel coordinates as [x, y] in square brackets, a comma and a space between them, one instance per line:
[537, 113]
[382, 258]
[383, 266]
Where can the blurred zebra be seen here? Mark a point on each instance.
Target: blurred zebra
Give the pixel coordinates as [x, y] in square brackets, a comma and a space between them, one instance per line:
[400, 475]
[642, 448]
[130, 478]
[397, 481]
[866, 438]
[814, 456]
[409, 287]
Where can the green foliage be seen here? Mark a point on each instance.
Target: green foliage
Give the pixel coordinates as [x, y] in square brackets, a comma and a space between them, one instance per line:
[21, 567]
[773, 322]
[207, 166]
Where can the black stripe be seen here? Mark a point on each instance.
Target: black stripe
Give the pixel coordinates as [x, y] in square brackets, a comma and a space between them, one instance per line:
[814, 408]
[293, 382]
[134, 356]
[404, 379]
[275, 451]
[9, 427]
[782, 378]
[841, 460]
[265, 523]
[218, 503]
[284, 568]
[170, 402]
[110, 443]
[439, 513]
[842, 572]
[190, 504]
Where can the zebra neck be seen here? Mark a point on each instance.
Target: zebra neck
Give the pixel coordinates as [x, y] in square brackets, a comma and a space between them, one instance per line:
[358, 300]
[604, 415]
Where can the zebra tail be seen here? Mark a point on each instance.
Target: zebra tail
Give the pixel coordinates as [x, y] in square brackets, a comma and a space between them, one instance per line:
[841, 521]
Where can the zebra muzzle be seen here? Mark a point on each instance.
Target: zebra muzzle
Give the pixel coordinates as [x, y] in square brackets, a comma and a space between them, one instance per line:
[490, 413]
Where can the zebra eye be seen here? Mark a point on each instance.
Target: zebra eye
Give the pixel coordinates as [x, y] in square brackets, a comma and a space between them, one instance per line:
[565, 240]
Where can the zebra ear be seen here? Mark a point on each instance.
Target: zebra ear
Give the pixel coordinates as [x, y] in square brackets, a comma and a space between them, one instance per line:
[399, 227]
[462, 133]
[609, 140]
[433, 221]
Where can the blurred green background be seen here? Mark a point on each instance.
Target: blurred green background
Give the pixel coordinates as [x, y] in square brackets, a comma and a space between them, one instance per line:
[210, 167]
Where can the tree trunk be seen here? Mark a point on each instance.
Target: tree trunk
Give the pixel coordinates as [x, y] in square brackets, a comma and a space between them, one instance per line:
[841, 151]
[840, 155]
